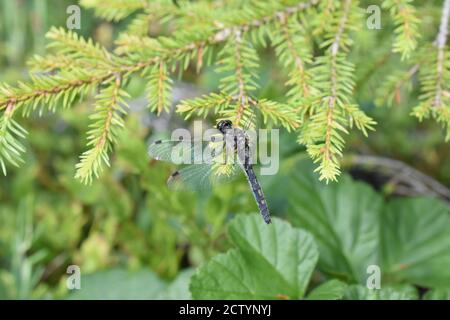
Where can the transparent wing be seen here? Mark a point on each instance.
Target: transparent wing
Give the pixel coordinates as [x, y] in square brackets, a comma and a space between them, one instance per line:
[250, 119]
[202, 177]
[186, 152]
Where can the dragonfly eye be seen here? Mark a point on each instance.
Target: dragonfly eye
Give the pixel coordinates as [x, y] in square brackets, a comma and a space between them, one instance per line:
[224, 125]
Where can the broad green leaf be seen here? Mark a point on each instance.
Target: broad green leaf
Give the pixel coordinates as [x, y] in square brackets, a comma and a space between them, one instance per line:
[358, 292]
[178, 289]
[288, 251]
[342, 216]
[415, 242]
[437, 294]
[119, 284]
[330, 290]
[407, 290]
[270, 262]
[228, 276]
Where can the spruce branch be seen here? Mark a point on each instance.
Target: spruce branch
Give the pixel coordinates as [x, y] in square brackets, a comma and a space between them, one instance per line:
[239, 58]
[184, 15]
[69, 83]
[103, 133]
[279, 114]
[441, 55]
[390, 91]
[294, 52]
[114, 10]
[159, 88]
[435, 78]
[11, 148]
[298, 54]
[322, 134]
[130, 44]
[326, 12]
[205, 105]
[97, 68]
[140, 25]
[406, 22]
[320, 91]
[50, 63]
[49, 91]
[72, 46]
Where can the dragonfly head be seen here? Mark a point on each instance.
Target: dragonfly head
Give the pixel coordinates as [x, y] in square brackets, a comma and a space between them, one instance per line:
[224, 125]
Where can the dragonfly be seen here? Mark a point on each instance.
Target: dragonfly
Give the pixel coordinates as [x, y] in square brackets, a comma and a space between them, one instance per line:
[212, 161]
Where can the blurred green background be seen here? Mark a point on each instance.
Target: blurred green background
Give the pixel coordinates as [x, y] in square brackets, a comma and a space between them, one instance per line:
[128, 220]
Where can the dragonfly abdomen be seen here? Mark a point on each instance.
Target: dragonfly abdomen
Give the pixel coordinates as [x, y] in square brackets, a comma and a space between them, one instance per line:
[257, 193]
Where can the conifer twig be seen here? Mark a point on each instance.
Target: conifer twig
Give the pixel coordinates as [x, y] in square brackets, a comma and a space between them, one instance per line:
[435, 78]
[320, 90]
[334, 49]
[242, 96]
[441, 40]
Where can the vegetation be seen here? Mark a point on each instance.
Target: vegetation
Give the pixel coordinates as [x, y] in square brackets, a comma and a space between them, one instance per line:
[312, 68]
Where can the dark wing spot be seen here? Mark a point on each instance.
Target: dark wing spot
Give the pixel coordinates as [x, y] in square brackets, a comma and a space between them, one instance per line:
[158, 142]
[180, 138]
[174, 176]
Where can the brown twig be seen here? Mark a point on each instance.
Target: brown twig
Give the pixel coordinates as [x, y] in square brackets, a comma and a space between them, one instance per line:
[408, 181]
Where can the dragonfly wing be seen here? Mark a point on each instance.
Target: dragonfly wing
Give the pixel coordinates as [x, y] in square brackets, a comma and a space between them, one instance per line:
[182, 152]
[250, 120]
[202, 177]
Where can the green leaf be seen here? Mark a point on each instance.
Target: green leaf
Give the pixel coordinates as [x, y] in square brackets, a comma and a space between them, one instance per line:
[330, 290]
[358, 292]
[415, 241]
[227, 276]
[290, 252]
[125, 285]
[437, 294]
[343, 217]
[406, 289]
[271, 261]
[119, 284]
[407, 238]
[179, 288]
